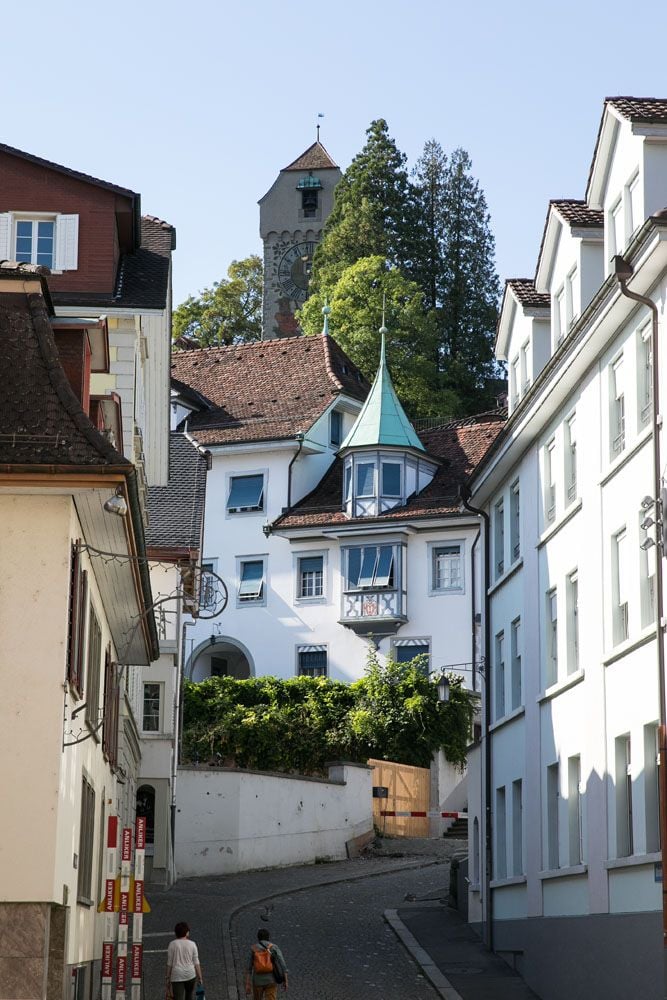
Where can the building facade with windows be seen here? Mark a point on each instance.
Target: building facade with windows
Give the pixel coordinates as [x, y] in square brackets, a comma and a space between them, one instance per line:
[331, 521]
[567, 770]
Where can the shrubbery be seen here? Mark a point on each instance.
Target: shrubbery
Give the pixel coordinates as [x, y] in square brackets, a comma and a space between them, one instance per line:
[299, 724]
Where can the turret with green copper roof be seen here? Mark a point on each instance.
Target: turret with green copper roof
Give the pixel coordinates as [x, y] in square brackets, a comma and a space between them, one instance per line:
[382, 420]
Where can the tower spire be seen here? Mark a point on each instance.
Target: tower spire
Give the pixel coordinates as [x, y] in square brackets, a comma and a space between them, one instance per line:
[326, 309]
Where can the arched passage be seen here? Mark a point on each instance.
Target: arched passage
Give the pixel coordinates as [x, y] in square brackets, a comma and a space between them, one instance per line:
[220, 656]
[146, 807]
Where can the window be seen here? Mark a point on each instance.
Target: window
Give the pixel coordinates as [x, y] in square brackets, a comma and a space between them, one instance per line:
[251, 581]
[500, 675]
[348, 483]
[405, 650]
[651, 786]
[571, 458]
[86, 840]
[624, 817]
[634, 213]
[645, 376]
[647, 557]
[336, 428]
[391, 479]
[365, 479]
[620, 586]
[525, 371]
[78, 603]
[49, 239]
[446, 568]
[370, 566]
[549, 481]
[499, 536]
[617, 415]
[560, 321]
[571, 297]
[311, 577]
[475, 852]
[111, 709]
[573, 622]
[246, 493]
[501, 834]
[553, 796]
[616, 240]
[207, 585]
[552, 637]
[515, 383]
[35, 242]
[517, 827]
[151, 716]
[515, 520]
[93, 670]
[515, 639]
[309, 202]
[312, 661]
[574, 811]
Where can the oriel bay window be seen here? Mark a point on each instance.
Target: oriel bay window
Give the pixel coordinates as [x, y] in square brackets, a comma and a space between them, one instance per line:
[373, 582]
[378, 481]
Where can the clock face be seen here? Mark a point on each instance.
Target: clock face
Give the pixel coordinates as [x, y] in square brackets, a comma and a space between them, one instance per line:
[294, 270]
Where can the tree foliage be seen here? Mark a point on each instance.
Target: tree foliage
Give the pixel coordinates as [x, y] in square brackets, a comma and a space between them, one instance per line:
[301, 723]
[434, 230]
[228, 313]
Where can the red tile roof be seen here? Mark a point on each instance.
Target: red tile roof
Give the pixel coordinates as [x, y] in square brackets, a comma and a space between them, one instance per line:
[266, 391]
[524, 289]
[576, 212]
[460, 445]
[314, 158]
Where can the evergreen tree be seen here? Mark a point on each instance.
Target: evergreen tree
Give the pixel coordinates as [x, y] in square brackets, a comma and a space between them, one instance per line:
[371, 211]
[429, 180]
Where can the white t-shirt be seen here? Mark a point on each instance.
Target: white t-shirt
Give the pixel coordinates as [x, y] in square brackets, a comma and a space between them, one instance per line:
[181, 956]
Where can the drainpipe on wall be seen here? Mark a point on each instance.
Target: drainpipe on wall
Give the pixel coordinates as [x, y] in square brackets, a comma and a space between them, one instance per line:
[623, 271]
[299, 438]
[464, 494]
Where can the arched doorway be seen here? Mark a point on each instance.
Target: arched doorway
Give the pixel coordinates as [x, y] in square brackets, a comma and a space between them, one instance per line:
[220, 656]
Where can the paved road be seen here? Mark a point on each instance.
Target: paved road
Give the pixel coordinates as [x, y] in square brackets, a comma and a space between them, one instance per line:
[336, 942]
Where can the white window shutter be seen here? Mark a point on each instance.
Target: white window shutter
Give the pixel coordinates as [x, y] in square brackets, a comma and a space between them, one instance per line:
[5, 235]
[67, 243]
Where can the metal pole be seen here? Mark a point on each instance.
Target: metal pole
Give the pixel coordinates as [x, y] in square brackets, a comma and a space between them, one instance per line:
[623, 271]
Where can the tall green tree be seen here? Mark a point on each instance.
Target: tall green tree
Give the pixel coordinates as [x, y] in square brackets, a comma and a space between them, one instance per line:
[429, 179]
[356, 315]
[230, 312]
[371, 212]
[468, 289]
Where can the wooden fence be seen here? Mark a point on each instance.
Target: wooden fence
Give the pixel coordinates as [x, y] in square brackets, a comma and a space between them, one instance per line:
[409, 791]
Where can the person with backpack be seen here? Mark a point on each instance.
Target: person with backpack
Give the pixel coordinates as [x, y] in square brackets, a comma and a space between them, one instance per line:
[266, 968]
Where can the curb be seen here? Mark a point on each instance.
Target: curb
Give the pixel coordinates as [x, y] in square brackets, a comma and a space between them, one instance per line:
[229, 948]
[439, 982]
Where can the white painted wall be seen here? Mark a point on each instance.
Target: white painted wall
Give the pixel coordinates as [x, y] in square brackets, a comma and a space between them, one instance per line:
[231, 821]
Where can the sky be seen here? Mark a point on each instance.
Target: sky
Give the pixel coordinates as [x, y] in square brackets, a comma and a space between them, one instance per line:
[198, 104]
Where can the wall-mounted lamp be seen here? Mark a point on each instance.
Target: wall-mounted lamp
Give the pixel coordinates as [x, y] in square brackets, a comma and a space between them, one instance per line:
[646, 503]
[117, 504]
[646, 544]
[266, 528]
[443, 689]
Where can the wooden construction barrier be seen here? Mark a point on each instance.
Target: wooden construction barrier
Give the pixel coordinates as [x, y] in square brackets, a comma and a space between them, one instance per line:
[408, 793]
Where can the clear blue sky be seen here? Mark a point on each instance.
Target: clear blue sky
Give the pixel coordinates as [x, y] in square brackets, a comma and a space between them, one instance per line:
[198, 104]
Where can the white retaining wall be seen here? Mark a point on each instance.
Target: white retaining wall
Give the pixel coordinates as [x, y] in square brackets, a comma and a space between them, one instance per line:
[231, 821]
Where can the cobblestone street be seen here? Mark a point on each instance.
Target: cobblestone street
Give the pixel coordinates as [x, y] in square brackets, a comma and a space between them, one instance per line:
[327, 918]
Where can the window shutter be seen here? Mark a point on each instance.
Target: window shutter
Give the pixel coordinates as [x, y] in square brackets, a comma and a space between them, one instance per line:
[5, 235]
[67, 243]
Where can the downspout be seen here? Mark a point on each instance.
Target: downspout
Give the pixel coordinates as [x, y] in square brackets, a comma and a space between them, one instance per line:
[464, 495]
[299, 438]
[623, 271]
[473, 587]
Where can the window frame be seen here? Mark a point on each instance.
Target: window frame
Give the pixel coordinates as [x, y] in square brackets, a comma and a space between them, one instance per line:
[412, 642]
[254, 511]
[35, 220]
[305, 648]
[93, 670]
[617, 414]
[259, 602]
[160, 704]
[339, 420]
[515, 521]
[433, 590]
[499, 537]
[372, 586]
[310, 554]
[550, 505]
[499, 674]
[84, 885]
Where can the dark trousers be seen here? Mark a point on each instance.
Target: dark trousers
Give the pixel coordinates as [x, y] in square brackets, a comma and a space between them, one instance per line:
[185, 990]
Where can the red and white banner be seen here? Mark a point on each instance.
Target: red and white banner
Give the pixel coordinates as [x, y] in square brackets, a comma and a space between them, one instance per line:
[138, 905]
[422, 814]
[111, 862]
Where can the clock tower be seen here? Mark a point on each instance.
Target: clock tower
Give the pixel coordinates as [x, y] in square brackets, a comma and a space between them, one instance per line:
[292, 214]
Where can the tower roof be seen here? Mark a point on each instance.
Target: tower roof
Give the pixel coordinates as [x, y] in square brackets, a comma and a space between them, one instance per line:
[313, 158]
[382, 420]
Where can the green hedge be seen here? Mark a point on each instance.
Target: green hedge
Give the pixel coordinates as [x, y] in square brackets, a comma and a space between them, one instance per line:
[297, 725]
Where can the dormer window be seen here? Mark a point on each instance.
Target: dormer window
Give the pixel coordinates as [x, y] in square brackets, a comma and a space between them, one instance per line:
[365, 479]
[45, 238]
[336, 428]
[391, 479]
[35, 242]
[377, 481]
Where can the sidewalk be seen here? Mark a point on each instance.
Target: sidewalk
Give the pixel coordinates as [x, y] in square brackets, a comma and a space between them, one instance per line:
[453, 957]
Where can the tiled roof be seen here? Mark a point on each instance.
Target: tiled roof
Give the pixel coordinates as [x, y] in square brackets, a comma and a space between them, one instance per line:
[143, 276]
[460, 445]
[42, 422]
[652, 110]
[176, 511]
[524, 289]
[269, 390]
[576, 212]
[314, 158]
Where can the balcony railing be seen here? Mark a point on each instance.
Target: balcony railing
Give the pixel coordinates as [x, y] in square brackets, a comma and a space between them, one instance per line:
[372, 610]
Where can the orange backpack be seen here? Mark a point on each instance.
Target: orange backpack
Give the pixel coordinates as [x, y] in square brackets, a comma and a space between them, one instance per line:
[262, 962]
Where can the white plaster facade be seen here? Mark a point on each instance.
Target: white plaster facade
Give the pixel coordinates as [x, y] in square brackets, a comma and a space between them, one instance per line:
[571, 679]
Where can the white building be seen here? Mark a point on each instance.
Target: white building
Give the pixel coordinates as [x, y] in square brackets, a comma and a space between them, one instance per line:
[567, 883]
[330, 522]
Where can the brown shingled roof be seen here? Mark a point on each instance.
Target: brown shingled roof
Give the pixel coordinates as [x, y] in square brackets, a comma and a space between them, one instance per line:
[314, 158]
[269, 390]
[43, 423]
[652, 110]
[576, 212]
[524, 289]
[460, 445]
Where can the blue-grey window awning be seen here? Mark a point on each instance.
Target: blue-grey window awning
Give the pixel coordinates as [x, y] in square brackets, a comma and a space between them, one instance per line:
[246, 493]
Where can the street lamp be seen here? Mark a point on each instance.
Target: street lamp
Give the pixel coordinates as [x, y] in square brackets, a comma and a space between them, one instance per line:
[443, 689]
